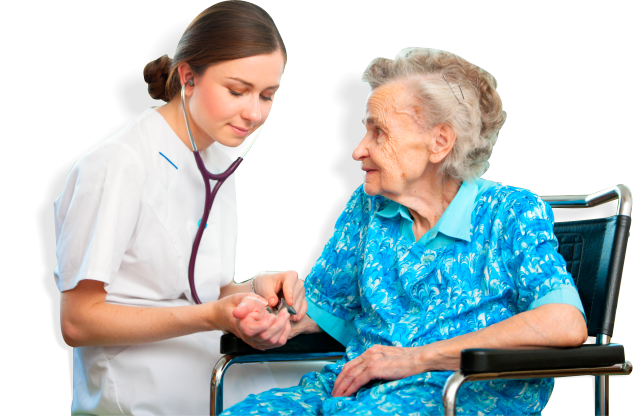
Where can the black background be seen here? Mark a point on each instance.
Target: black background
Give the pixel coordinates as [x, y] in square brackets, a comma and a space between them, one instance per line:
[560, 86]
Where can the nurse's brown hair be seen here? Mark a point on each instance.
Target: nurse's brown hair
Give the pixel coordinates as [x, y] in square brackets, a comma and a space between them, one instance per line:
[225, 31]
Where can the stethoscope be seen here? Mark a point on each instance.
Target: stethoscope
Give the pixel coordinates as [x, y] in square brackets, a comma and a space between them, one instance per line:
[209, 195]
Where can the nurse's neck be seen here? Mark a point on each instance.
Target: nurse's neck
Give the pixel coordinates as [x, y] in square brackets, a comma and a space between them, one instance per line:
[172, 112]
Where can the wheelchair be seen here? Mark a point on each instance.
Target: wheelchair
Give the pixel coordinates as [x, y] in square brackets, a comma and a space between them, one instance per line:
[594, 251]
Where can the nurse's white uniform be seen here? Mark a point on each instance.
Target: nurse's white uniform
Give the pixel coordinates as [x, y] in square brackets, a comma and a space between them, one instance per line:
[127, 217]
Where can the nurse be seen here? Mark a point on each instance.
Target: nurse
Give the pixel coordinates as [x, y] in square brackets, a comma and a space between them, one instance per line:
[127, 217]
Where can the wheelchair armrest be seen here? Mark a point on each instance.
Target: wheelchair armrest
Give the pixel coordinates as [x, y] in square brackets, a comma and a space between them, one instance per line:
[477, 361]
[304, 343]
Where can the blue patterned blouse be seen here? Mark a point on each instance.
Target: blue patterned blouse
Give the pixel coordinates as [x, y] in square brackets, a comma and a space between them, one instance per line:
[382, 287]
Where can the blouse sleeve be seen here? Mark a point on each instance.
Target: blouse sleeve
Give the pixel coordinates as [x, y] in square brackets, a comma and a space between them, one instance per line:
[333, 285]
[96, 215]
[529, 250]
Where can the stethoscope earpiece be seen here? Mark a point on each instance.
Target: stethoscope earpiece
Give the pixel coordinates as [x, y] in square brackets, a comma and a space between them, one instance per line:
[190, 82]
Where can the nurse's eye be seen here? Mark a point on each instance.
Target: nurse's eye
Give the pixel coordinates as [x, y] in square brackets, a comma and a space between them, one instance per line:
[235, 93]
[238, 94]
[266, 98]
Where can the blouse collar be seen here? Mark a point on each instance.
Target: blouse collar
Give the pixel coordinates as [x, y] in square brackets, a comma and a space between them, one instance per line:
[454, 223]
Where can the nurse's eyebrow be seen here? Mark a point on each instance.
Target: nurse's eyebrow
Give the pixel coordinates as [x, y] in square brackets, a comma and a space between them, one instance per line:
[250, 84]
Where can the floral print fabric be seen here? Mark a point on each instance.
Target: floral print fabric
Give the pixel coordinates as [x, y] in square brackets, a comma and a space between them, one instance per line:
[400, 293]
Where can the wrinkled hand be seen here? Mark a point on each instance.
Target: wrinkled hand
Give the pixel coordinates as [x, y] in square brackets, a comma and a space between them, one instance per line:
[273, 285]
[378, 362]
[255, 325]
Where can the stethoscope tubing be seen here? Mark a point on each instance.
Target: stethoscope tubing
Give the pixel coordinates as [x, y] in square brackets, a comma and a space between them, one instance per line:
[209, 200]
[210, 195]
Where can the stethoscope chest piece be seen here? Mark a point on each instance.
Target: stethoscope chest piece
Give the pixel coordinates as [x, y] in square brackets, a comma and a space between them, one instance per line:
[281, 306]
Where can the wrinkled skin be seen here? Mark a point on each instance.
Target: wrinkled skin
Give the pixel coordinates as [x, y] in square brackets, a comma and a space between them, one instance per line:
[401, 155]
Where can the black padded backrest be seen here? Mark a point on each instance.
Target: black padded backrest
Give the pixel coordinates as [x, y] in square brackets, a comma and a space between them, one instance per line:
[594, 251]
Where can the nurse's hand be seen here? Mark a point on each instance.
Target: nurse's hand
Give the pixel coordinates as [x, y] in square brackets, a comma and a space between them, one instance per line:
[273, 285]
[252, 323]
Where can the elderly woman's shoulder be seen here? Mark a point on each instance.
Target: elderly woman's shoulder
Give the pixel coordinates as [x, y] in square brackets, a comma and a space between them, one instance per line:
[506, 199]
[504, 193]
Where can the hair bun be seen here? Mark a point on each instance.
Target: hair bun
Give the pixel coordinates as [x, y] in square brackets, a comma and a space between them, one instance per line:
[226, 31]
[156, 74]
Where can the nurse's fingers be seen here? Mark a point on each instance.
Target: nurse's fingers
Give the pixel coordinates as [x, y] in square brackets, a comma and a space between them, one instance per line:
[244, 297]
[249, 304]
[278, 339]
[300, 305]
[273, 333]
[284, 337]
[253, 325]
[289, 282]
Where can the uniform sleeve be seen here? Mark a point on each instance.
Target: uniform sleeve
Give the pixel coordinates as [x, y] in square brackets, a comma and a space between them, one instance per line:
[529, 249]
[332, 286]
[96, 215]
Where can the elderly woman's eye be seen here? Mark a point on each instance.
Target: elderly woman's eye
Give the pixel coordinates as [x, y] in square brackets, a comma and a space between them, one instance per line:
[378, 131]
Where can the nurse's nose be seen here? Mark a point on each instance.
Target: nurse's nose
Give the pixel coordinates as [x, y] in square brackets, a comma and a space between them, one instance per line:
[252, 111]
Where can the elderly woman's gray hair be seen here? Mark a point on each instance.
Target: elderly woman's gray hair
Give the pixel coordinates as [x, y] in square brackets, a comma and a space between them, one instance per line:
[453, 91]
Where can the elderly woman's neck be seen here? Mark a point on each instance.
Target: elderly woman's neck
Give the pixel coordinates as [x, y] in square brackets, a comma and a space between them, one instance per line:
[428, 202]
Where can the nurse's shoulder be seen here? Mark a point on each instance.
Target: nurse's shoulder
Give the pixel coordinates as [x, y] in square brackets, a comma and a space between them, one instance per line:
[114, 162]
[120, 156]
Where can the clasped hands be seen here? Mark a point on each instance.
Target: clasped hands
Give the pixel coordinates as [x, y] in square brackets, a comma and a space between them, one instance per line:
[257, 326]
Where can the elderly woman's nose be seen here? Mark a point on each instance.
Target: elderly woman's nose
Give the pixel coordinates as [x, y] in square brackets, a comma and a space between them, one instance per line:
[361, 151]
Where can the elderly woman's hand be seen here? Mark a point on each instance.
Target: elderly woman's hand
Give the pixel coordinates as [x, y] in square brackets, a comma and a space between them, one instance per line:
[273, 285]
[247, 318]
[379, 362]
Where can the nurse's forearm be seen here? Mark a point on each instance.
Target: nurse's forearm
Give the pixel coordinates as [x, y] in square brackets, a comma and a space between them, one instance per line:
[88, 320]
[106, 324]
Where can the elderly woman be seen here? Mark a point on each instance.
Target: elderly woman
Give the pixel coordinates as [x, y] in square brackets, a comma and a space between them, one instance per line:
[427, 259]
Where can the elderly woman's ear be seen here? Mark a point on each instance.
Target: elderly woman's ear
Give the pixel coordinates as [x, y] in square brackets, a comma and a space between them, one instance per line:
[442, 140]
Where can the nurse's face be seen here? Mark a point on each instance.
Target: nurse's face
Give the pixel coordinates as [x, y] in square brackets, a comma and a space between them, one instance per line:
[231, 99]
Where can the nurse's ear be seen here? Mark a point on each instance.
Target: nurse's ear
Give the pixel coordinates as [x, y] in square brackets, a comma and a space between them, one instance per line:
[186, 76]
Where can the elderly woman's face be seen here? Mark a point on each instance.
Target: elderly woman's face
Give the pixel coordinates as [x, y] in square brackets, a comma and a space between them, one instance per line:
[394, 151]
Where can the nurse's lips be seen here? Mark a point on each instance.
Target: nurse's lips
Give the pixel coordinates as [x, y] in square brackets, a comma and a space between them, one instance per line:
[239, 128]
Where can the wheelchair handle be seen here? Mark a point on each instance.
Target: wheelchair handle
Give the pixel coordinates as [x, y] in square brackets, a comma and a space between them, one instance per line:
[620, 192]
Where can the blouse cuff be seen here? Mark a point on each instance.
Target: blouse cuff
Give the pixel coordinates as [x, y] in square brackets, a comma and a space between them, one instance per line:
[339, 329]
[564, 294]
